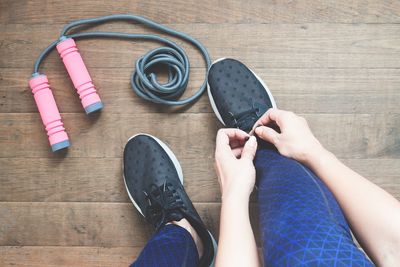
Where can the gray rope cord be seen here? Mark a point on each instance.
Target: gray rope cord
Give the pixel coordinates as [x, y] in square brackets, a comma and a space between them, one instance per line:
[144, 83]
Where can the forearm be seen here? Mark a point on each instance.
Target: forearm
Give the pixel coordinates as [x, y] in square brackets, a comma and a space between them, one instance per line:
[373, 214]
[237, 246]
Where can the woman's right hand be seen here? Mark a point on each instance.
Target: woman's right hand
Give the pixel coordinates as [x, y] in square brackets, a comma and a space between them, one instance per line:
[295, 139]
[234, 154]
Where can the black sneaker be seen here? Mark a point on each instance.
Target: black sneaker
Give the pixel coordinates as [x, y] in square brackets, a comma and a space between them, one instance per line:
[154, 181]
[237, 95]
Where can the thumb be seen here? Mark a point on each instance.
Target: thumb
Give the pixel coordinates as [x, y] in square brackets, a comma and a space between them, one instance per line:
[268, 134]
[250, 148]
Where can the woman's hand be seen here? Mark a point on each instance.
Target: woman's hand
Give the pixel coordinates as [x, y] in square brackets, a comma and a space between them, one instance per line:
[234, 154]
[295, 139]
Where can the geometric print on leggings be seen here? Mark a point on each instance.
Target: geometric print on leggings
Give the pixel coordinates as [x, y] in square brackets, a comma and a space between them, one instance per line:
[171, 246]
[301, 221]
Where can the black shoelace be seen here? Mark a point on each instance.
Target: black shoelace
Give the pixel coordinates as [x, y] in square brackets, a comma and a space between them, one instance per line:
[163, 201]
[244, 120]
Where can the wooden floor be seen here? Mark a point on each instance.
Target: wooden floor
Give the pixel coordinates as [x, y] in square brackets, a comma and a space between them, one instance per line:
[336, 62]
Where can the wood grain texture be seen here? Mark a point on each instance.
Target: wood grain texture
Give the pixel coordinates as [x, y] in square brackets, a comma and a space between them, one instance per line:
[51, 256]
[69, 180]
[208, 11]
[300, 90]
[259, 45]
[347, 135]
[335, 62]
[86, 224]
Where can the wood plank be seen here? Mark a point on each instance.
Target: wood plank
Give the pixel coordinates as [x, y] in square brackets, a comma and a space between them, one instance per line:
[383, 172]
[190, 136]
[208, 11]
[50, 256]
[260, 45]
[120, 127]
[85, 224]
[69, 180]
[300, 90]
[55, 211]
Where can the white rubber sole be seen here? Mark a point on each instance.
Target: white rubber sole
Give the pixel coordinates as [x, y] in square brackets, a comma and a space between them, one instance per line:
[212, 102]
[170, 154]
[215, 245]
[178, 167]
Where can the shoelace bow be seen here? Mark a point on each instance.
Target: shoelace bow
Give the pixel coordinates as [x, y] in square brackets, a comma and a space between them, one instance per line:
[163, 200]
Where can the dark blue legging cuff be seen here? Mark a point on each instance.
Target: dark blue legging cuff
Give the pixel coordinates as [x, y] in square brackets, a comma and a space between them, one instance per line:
[301, 221]
[171, 246]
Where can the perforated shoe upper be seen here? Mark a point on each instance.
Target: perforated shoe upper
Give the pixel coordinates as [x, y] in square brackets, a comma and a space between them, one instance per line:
[238, 97]
[153, 181]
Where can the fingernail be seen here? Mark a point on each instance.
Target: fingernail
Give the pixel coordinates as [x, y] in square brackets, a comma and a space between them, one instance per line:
[252, 140]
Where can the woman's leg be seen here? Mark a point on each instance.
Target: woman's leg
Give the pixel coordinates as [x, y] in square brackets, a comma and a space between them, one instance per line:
[153, 179]
[171, 246]
[301, 222]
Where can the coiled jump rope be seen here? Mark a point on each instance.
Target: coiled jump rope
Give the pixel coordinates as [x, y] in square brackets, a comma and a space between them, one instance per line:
[143, 81]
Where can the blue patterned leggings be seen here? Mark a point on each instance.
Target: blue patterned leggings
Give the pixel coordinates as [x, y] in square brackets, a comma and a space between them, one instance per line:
[301, 223]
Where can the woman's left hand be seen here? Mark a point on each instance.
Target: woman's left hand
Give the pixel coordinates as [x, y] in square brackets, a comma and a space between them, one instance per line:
[234, 154]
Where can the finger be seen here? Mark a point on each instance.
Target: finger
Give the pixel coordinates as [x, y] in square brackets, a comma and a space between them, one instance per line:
[276, 115]
[267, 134]
[265, 119]
[235, 134]
[273, 115]
[225, 137]
[237, 152]
[249, 149]
[237, 143]
[282, 118]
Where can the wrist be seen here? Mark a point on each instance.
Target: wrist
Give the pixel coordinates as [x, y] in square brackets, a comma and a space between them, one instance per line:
[312, 152]
[232, 198]
[235, 207]
[318, 157]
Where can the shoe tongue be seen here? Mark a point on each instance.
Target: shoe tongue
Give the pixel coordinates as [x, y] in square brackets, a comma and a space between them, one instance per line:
[243, 122]
[245, 119]
[247, 125]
